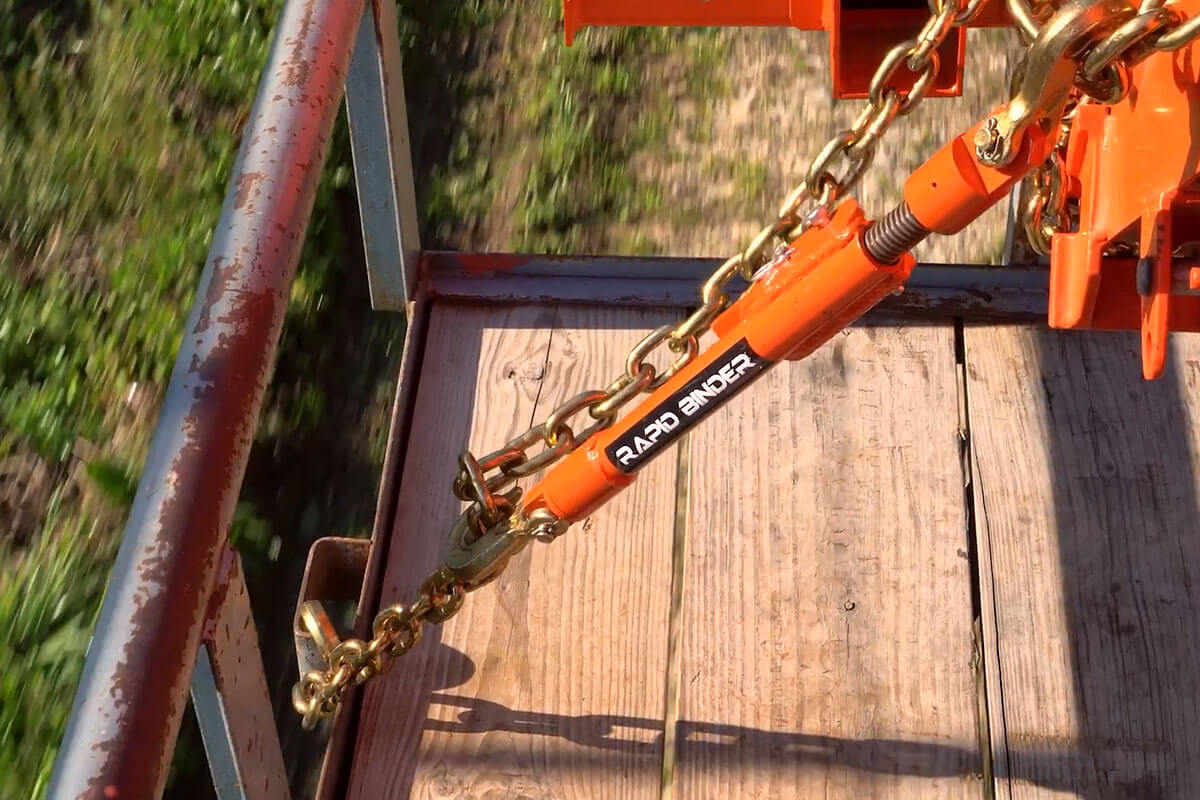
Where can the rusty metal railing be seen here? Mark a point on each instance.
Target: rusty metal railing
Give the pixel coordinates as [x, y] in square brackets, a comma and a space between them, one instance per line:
[127, 709]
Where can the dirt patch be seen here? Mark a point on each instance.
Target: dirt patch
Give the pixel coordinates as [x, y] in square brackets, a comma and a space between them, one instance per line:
[732, 158]
[26, 483]
[31, 484]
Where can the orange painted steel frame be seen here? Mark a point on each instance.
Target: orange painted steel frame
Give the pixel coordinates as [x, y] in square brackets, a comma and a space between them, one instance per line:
[1126, 164]
[816, 286]
[860, 31]
[952, 189]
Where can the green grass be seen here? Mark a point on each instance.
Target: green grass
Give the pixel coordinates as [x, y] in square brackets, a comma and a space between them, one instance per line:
[574, 119]
[583, 144]
[47, 602]
[117, 147]
[116, 143]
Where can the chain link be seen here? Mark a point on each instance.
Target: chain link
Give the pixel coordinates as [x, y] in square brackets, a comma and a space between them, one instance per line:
[1045, 212]
[395, 631]
[1028, 17]
[1154, 27]
[885, 103]
[492, 519]
[965, 16]
[1128, 44]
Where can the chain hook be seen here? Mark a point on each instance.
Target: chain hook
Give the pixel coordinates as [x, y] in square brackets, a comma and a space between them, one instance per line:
[476, 551]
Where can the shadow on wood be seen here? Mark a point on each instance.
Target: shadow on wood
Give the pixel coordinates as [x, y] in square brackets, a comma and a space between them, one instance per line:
[1086, 504]
[489, 372]
[1121, 454]
[732, 745]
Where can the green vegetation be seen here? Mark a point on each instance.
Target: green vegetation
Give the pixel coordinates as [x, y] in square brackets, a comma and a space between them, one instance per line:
[586, 141]
[118, 129]
[557, 174]
[117, 138]
[117, 148]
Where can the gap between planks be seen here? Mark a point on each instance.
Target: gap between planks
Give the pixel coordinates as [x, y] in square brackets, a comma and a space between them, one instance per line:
[850, 500]
[1087, 499]
[976, 566]
[675, 619]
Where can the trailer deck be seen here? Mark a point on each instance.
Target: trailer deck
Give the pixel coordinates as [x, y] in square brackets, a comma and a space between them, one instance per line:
[948, 555]
[926, 552]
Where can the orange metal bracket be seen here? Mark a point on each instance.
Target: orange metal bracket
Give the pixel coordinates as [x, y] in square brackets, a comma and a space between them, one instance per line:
[1130, 167]
[860, 31]
[953, 188]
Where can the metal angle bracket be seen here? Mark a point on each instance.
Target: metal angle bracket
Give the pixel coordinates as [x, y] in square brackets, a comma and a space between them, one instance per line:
[334, 573]
[230, 696]
[381, 149]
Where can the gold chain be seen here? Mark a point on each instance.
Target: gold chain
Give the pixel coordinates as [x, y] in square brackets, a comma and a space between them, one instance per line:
[1104, 75]
[1045, 212]
[493, 528]
[1154, 28]
[396, 630]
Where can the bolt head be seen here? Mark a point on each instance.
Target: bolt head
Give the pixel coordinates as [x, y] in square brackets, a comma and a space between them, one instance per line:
[993, 141]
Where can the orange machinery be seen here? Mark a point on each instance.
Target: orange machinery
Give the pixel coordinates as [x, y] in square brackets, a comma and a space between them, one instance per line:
[1103, 124]
[1125, 167]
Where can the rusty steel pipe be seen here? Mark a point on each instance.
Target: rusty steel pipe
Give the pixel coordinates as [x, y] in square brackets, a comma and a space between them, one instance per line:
[127, 709]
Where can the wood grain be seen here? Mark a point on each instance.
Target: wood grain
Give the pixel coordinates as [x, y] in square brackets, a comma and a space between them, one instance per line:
[827, 606]
[1087, 523]
[550, 682]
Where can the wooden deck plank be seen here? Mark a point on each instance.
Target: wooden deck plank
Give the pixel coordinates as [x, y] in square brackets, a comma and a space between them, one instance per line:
[1087, 523]
[550, 682]
[827, 616]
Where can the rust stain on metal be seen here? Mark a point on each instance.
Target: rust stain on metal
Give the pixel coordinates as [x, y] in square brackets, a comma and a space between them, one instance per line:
[247, 185]
[186, 551]
[488, 263]
[156, 612]
[231, 643]
[297, 68]
[227, 573]
[223, 275]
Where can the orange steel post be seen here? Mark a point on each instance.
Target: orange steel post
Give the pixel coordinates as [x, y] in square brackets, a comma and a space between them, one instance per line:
[816, 286]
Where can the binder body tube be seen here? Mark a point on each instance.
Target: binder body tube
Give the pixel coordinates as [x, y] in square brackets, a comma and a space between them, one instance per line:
[817, 285]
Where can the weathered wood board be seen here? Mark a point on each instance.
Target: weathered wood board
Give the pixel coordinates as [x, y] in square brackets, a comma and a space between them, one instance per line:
[1086, 505]
[827, 648]
[822, 629]
[550, 682]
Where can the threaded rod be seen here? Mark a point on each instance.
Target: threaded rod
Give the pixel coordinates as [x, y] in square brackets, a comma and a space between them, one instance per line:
[894, 235]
